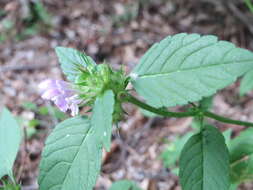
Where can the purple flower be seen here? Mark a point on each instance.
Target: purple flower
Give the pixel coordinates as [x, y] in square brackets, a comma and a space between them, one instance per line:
[62, 94]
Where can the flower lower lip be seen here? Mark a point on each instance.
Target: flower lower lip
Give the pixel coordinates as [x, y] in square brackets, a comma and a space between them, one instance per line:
[61, 93]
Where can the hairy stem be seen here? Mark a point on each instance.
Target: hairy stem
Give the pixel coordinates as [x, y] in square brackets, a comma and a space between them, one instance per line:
[191, 113]
[227, 120]
[159, 111]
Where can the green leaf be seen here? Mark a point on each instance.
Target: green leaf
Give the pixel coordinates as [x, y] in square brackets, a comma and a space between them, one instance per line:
[124, 185]
[7, 185]
[241, 146]
[246, 83]
[204, 162]
[102, 118]
[29, 106]
[72, 61]
[10, 138]
[206, 103]
[242, 170]
[187, 67]
[227, 135]
[233, 187]
[43, 110]
[171, 155]
[241, 157]
[71, 158]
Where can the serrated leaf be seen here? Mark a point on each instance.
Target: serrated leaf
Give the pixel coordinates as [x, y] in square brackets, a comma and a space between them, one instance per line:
[10, 138]
[187, 67]
[71, 158]
[204, 162]
[72, 61]
[246, 83]
[241, 146]
[124, 185]
[101, 119]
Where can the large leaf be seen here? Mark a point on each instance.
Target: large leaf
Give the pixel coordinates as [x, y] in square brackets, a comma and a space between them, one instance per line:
[241, 146]
[71, 158]
[10, 138]
[204, 162]
[246, 83]
[124, 185]
[186, 67]
[72, 61]
[102, 118]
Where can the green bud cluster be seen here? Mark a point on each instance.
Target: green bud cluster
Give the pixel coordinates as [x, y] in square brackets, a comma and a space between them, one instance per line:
[94, 80]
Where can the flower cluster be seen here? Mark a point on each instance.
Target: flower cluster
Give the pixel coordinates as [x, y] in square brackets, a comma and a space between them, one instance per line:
[62, 94]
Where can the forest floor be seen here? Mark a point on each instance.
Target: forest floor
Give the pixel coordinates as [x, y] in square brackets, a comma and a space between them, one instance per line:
[118, 32]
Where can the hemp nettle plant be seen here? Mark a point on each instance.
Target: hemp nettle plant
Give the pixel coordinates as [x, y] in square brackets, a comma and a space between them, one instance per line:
[182, 69]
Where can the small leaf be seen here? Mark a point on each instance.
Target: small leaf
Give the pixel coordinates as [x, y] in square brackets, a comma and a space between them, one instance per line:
[171, 155]
[187, 67]
[246, 83]
[206, 103]
[241, 146]
[72, 61]
[204, 162]
[7, 185]
[10, 138]
[242, 170]
[29, 106]
[71, 158]
[102, 118]
[124, 185]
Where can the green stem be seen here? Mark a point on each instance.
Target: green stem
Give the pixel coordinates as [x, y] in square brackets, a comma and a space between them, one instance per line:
[159, 111]
[227, 120]
[192, 113]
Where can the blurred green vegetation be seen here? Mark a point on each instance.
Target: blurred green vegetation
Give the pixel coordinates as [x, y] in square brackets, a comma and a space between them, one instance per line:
[7, 185]
[49, 111]
[37, 21]
[249, 4]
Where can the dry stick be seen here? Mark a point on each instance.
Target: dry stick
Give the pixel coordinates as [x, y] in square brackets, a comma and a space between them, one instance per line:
[24, 156]
[6, 68]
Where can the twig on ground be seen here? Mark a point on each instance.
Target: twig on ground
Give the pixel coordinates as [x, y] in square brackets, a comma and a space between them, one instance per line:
[247, 21]
[6, 68]
[24, 156]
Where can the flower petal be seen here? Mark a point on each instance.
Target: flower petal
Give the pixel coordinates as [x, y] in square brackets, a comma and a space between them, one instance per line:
[61, 103]
[47, 84]
[50, 94]
[74, 109]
